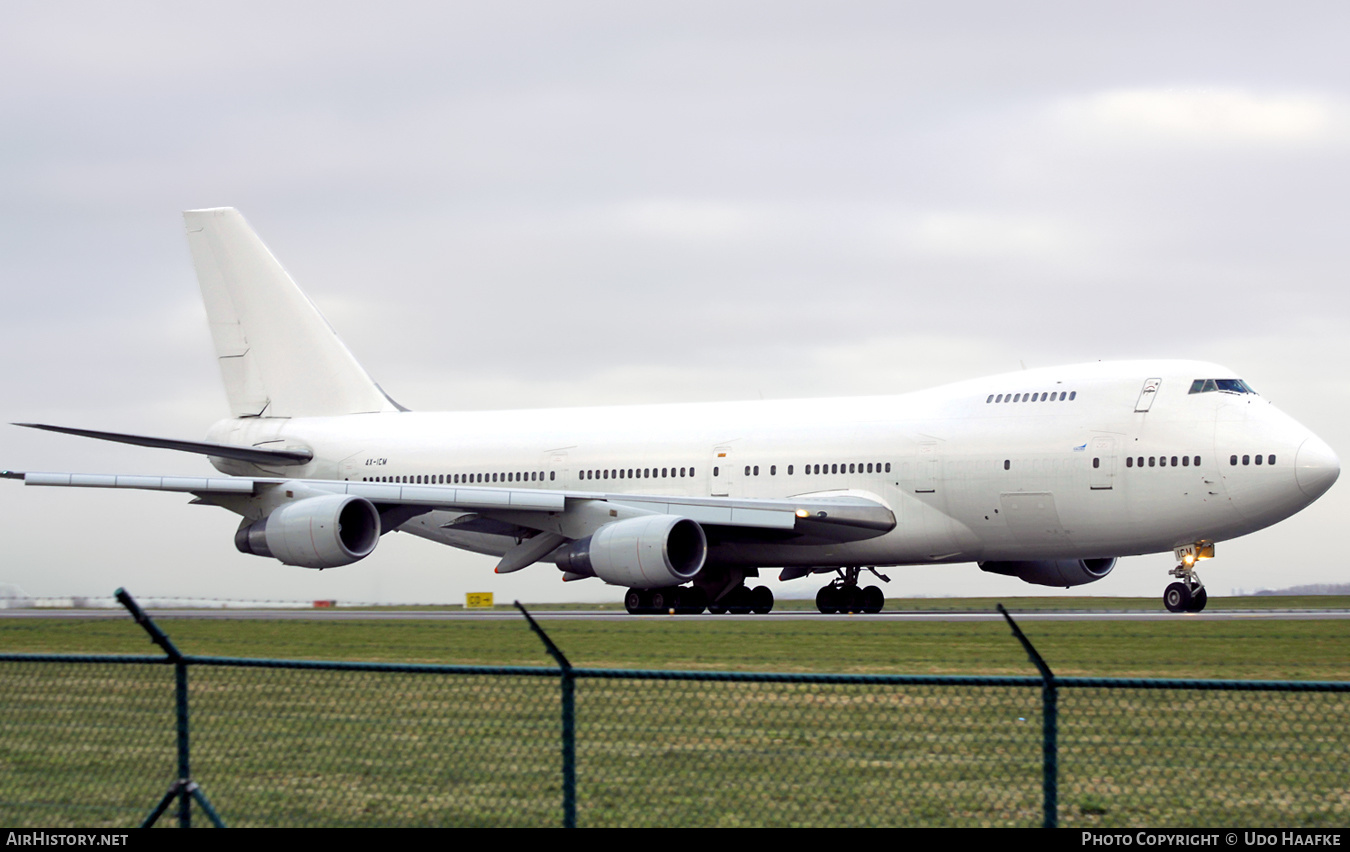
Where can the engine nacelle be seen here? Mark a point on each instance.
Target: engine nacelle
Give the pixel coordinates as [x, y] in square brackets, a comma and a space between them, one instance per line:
[1054, 572]
[316, 532]
[649, 552]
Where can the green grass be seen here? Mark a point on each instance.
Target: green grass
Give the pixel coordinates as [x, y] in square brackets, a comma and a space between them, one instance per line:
[93, 744]
[1257, 649]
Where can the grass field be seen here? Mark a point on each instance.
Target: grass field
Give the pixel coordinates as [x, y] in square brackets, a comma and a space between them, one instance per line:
[92, 744]
[1184, 647]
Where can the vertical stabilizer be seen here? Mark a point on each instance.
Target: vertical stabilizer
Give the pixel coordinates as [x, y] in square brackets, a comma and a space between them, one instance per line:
[278, 356]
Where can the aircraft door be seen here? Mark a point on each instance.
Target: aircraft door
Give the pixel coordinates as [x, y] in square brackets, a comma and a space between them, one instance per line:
[928, 468]
[352, 467]
[721, 472]
[557, 466]
[1102, 474]
[1146, 395]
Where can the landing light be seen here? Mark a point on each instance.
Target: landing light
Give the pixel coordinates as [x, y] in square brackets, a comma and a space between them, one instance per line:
[803, 513]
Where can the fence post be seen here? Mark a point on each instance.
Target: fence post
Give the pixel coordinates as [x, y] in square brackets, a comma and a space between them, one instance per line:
[1049, 726]
[569, 744]
[185, 790]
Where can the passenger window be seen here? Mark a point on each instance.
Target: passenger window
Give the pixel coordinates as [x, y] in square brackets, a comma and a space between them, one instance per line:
[1232, 460]
[1270, 459]
[1129, 461]
[1096, 462]
[990, 399]
[789, 470]
[1174, 461]
[1185, 461]
[1151, 460]
[1258, 459]
[747, 470]
[888, 467]
[1246, 460]
[773, 470]
[1073, 395]
[1007, 464]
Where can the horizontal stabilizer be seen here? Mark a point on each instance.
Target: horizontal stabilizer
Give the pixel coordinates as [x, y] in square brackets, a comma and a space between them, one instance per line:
[255, 455]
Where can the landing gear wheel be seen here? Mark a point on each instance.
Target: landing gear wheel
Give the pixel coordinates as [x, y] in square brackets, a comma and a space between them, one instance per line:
[761, 600]
[691, 601]
[872, 599]
[658, 602]
[718, 607]
[1198, 600]
[738, 602]
[633, 601]
[826, 601]
[1177, 597]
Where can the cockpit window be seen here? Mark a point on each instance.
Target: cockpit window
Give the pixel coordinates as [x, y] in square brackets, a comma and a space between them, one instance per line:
[1225, 385]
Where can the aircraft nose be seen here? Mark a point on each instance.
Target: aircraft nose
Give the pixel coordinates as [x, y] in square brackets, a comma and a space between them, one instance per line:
[1316, 467]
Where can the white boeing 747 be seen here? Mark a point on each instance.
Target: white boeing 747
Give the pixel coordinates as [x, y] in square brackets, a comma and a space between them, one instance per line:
[1048, 475]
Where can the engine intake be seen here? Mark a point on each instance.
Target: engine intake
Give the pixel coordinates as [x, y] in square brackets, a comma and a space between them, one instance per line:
[649, 552]
[1054, 572]
[316, 532]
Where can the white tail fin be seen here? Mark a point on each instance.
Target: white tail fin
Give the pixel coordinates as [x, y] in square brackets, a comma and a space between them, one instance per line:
[278, 356]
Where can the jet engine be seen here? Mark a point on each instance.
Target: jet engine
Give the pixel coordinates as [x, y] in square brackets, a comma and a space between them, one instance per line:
[1054, 572]
[316, 532]
[648, 552]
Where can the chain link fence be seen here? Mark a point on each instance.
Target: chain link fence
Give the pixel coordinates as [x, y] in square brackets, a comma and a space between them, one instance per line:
[102, 742]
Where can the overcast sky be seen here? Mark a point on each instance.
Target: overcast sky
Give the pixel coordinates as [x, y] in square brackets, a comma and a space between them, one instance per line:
[510, 205]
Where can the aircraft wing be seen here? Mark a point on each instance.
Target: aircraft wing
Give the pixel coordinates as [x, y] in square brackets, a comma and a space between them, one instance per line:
[833, 516]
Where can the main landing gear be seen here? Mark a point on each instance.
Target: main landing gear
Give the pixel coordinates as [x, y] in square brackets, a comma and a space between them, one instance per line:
[1188, 595]
[843, 594]
[692, 600]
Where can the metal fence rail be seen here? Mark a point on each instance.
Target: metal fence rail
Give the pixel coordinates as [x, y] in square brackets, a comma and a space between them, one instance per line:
[101, 741]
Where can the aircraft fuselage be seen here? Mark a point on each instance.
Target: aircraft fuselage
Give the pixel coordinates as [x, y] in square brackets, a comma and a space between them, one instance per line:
[1089, 461]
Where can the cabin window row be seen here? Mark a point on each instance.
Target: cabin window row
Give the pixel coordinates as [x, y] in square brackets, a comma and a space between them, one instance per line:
[635, 473]
[1161, 461]
[464, 478]
[815, 469]
[1032, 397]
[1270, 459]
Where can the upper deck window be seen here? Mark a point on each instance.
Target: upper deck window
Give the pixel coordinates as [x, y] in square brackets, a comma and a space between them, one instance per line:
[1225, 385]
